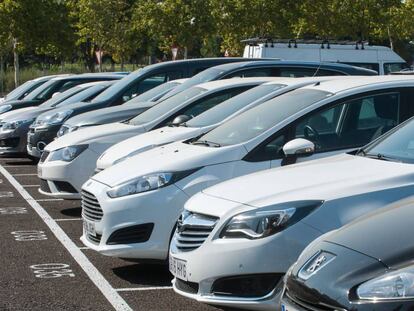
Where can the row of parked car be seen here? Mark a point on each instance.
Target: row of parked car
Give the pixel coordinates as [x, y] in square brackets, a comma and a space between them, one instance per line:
[208, 166]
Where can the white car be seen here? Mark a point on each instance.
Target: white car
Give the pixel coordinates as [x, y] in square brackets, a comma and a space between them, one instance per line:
[130, 209]
[205, 121]
[71, 159]
[253, 228]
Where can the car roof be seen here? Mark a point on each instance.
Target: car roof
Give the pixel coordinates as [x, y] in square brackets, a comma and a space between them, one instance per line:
[281, 63]
[234, 81]
[90, 75]
[338, 85]
[89, 84]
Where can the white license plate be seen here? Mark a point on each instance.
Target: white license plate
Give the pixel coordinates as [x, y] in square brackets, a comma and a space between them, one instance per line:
[89, 228]
[178, 268]
[39, 171]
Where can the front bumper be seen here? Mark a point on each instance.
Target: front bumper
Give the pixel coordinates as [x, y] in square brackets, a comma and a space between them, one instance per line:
[13, 141]
[39, 138]
[240, 258]
[70, 174]
[160, 207]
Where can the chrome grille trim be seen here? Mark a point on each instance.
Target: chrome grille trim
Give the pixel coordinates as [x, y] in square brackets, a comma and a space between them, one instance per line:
[91, 209]
[192, 230]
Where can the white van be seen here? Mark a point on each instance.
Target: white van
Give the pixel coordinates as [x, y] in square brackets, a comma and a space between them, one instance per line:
[379, 58]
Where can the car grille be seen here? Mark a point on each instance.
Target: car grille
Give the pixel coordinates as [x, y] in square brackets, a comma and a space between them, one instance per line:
[44, 155]
[306, 306]
[188, 287]
[91, 209]
[192, 230]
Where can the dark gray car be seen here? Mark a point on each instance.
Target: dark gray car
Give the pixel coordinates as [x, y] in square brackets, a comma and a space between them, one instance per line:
[365, 265]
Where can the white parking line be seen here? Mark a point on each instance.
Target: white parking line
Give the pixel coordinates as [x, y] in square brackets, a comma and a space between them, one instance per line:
[12, 166]
[29, 186]
[67, 219]
[48, 200]
[91, 271]
[137, 289]
[28, 174]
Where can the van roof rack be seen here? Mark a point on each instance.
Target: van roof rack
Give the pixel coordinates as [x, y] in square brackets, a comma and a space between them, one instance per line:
[294, 42]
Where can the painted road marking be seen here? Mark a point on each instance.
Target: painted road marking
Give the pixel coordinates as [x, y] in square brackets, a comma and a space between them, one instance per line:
[12, 210]
[48, 200]
[29, 174]
[29, 235]
[67, 219]
[93, 273]
[52, 270]
[6, 194]
[28, 186]
[136, 289]
[12, 166]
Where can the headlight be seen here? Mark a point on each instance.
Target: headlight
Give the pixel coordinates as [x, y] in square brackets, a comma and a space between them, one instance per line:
[266, 221]
[54, 119]
[393, 285]
[68, 153]
[66, 129]
[9, 126]
[5, 108]
[147, 183]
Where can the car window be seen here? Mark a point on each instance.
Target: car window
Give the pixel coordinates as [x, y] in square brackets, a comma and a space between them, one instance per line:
[233, 105]
[351, 123]
[154, 93]
[211, 101]
[372, 66]
[393, 67]
[255, 72]
[261, 118]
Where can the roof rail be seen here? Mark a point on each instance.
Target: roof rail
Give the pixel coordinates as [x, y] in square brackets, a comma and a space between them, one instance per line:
[325, 43]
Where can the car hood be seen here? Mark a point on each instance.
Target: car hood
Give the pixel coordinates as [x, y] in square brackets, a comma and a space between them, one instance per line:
[89, 134]
[23, 114]
[74, 107]
[145, 142]
[20, 103]
[172, 157]
[109, 114]
[325, 179]
[386, 235]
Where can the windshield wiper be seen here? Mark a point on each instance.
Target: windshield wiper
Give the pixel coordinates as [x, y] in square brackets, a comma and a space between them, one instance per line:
[380, 156]
[206, 143]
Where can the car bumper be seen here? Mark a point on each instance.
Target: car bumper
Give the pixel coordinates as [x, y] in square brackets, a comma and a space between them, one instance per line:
[161, 208]
[242, 258]
[13, 141]
[37, 139]
[63, 179]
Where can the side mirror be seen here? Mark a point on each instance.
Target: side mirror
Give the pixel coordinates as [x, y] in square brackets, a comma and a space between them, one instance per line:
[55, 94]
[298, 147]
[180, 119]
[126, 98]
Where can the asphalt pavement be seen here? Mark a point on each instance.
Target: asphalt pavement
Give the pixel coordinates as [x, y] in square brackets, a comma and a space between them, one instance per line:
[44, 265]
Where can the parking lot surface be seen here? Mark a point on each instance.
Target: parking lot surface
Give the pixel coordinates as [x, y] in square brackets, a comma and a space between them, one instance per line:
[46, 267]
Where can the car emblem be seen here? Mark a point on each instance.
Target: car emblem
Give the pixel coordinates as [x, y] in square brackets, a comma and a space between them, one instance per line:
[315, 263]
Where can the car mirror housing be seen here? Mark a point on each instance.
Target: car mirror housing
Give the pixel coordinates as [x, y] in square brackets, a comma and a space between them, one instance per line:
[298, 147]
[180, 119]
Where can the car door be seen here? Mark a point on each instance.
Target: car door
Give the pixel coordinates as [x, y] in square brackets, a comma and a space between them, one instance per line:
[351, 123]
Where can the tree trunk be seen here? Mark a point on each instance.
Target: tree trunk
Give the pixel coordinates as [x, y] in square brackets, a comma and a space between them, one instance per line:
[122, 64]
[185, 52]
[390, 38]
[2, 73]
[16, 63]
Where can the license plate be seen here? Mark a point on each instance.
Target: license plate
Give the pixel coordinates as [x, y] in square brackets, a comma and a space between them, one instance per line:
[89, 228]
[178, 268]
[39, 171]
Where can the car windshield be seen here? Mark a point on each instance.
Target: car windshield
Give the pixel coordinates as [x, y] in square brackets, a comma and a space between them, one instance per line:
[59, 97]
[85, 95]
[261, 118]
[207, 75]
[166, 106]
[24, 88]
[120, 85]
[154, 93]
[232, 105]
[398, 146]
[44, 88]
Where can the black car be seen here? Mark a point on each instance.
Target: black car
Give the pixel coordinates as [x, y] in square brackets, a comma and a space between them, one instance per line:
[54, 85]
[365, 265]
